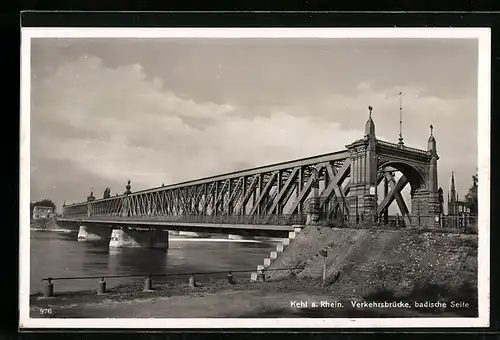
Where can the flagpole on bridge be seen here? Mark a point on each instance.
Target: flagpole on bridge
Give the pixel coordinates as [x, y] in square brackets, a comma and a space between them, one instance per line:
[401, 143]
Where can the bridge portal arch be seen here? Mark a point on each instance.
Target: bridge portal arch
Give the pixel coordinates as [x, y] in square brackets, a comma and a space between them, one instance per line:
[370, 157]
[415, 177]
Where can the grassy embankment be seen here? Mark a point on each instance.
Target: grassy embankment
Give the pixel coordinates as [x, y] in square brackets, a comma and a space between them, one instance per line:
[387, 265]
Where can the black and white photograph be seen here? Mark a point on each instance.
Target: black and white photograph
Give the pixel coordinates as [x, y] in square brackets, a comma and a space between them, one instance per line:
[254, 178]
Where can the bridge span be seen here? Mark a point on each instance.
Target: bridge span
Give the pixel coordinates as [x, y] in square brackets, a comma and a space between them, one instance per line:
[274, 199]
[242, 227]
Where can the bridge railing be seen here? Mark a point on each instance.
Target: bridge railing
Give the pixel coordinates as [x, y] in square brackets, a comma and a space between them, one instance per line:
[283, 219]
[165, 278]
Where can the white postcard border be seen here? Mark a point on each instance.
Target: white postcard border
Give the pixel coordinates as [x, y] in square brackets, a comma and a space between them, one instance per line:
[484, 74]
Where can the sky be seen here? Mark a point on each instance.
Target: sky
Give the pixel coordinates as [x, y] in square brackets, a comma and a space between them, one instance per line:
[168, 110]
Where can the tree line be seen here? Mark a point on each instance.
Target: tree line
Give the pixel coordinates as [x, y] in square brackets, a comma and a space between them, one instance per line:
[471, 196]
[42, 203]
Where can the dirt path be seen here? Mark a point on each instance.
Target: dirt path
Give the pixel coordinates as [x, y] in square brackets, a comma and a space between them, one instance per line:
[277, 299]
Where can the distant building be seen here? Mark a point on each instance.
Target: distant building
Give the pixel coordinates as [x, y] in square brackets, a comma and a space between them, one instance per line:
[459, 214]
[456, 206]
[42, 212]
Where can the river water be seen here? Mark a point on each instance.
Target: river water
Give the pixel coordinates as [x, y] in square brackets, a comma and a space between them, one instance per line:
[59, 254]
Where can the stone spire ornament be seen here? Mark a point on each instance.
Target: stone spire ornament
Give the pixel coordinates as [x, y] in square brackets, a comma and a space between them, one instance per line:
[370, 125]
[127, 188]
[431, 143]
[91, 196]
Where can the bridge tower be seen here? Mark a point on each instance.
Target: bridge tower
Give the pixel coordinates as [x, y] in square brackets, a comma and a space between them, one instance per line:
[373, 160]
[363, 187]
[425, 201]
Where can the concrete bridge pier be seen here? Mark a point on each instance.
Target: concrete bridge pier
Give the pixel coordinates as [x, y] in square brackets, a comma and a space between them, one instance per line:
[88, 233]
[125, 237]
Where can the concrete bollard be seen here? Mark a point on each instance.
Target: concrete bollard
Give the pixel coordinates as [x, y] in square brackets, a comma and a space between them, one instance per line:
[148, 284]
[101, 287]
[230, 278]
[192, 282]
[48, 289]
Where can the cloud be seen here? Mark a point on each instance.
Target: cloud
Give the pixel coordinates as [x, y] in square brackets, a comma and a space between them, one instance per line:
[364, 86]
[116, 123]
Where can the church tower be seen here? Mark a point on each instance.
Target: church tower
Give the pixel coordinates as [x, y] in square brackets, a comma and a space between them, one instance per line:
[452, 200]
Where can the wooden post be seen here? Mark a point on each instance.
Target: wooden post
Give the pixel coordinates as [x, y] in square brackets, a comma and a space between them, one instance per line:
[324, 253]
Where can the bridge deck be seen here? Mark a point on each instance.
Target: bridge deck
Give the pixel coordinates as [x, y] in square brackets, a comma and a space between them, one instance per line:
[112, 223]
[214, 228]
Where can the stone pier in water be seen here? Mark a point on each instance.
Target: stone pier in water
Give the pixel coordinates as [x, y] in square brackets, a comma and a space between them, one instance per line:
[125, 237]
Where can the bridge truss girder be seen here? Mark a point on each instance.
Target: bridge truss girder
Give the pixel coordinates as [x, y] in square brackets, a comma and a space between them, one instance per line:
[267, 191]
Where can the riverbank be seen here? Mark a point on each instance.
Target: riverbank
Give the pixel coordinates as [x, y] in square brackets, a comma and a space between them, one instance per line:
[285, 298]
[408, 273]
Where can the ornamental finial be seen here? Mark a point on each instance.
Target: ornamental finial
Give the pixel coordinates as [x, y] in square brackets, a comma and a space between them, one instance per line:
[370, 111]
[432, 128]
[127, 187]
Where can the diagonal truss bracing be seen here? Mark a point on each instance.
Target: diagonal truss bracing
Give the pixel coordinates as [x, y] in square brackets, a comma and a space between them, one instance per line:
[270, 190]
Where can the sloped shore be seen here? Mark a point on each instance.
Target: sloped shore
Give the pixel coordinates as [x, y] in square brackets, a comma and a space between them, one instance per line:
[389, 264]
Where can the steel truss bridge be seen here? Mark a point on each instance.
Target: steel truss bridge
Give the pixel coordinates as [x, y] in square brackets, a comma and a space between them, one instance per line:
[268, 195]
[271, 195]
[339, 185]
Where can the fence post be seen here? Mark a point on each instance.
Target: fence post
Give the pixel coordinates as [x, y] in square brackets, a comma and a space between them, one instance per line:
[48, 289]
[101, 287]
[148, 284]
[192, 281]
[230, 278]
